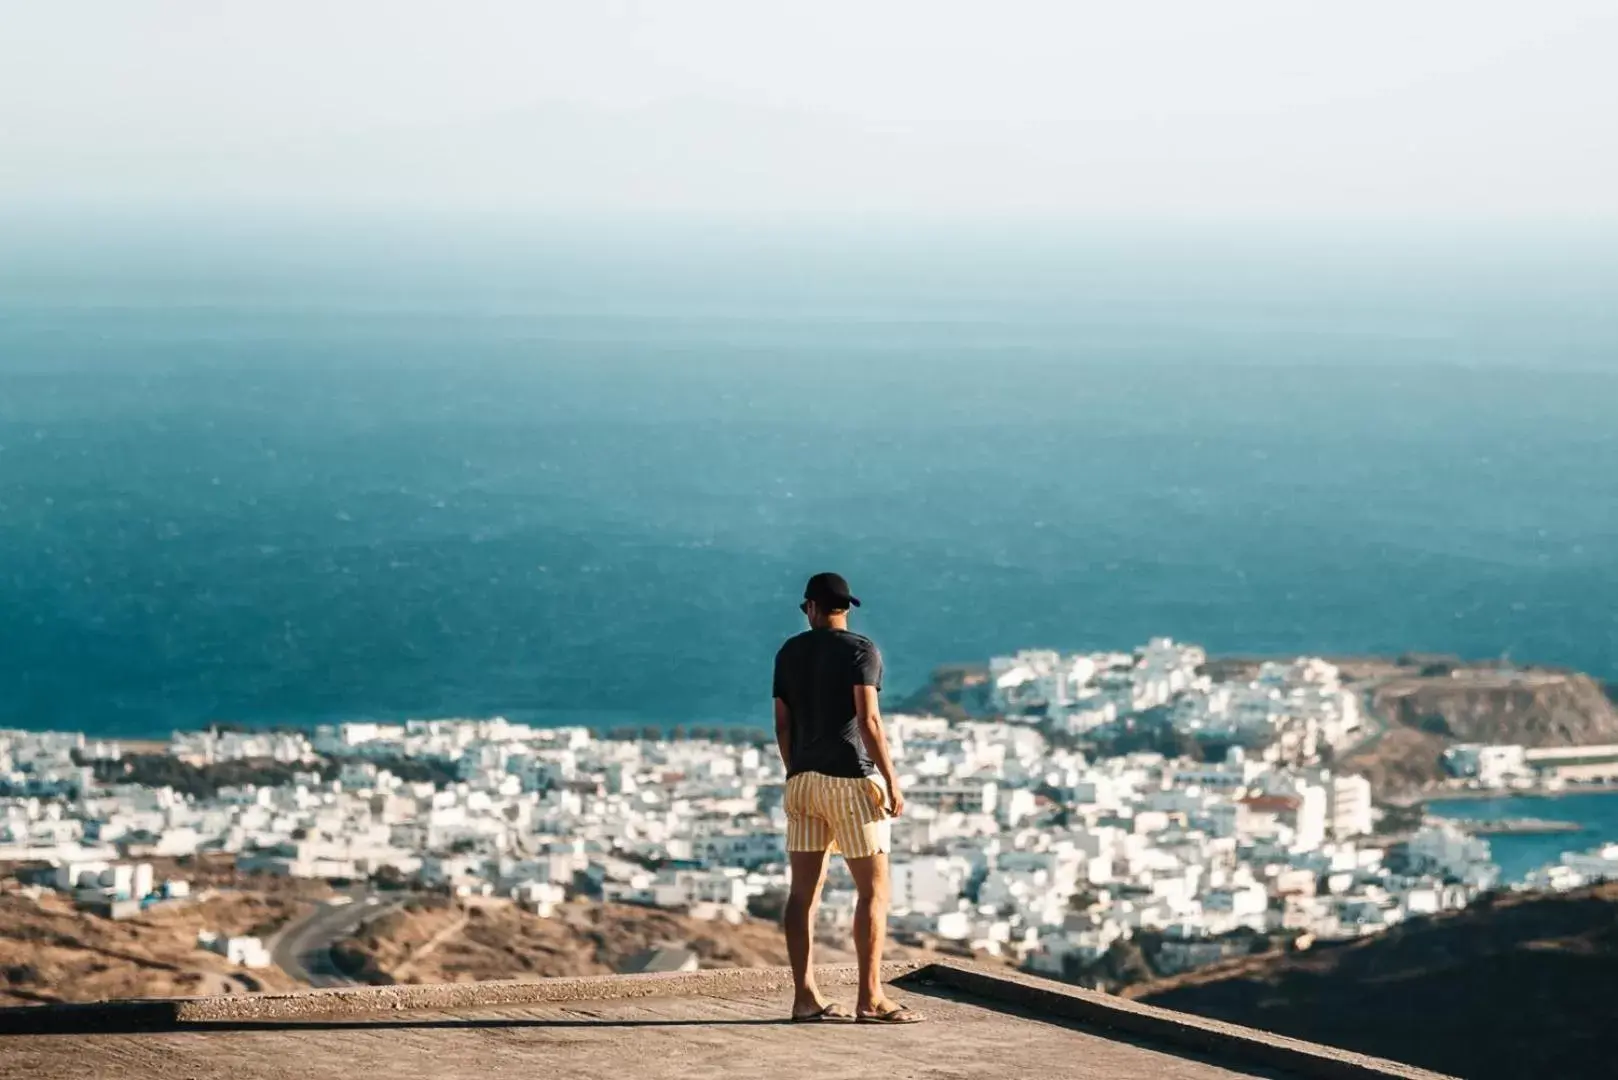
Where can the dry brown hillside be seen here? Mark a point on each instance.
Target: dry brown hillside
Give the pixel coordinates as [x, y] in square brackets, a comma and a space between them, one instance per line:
[1521, 986]
[1429, 708]
[1534, 707]
[51, 952]
[1402, 760]
[443, 941]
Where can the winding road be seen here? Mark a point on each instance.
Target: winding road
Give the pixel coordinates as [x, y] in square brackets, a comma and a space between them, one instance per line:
[303, 948]
[1377, 723]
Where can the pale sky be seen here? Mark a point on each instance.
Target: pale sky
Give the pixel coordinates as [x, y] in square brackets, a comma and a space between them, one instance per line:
[1071, 109]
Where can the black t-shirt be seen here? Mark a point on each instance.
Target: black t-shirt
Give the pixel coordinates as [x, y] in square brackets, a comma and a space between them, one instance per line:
[815, 674]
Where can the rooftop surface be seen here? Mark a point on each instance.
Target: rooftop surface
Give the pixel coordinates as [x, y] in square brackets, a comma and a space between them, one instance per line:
[672, 1037]
[708, 1025]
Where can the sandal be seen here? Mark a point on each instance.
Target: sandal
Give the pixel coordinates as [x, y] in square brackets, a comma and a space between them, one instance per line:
[831, 1012]
[896, 1015]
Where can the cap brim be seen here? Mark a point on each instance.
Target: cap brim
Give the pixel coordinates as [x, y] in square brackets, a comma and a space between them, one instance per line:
[851, 601]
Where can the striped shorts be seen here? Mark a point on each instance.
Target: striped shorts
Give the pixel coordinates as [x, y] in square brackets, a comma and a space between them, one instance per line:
[837, 813]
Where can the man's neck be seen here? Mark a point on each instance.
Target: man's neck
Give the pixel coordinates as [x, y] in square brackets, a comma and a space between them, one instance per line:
[833, 622]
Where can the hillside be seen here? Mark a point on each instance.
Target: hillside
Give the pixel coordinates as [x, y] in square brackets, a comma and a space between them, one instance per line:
[1429, 707]
[441, 941]
[1399, 763]
[1532, 707]
[51, 952]
[1521, 986]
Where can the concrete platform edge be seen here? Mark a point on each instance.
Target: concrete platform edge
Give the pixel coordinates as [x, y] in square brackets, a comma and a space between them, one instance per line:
[168, 1013]
[1163, 1026]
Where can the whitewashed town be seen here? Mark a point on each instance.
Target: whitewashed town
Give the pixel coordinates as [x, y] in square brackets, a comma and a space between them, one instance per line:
[1015, 842]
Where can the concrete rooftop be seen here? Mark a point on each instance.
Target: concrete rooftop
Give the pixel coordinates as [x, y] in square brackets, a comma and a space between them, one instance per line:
[708, 1025]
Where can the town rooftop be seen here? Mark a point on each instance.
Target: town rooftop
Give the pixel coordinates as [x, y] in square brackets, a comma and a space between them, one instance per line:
[710, 1024]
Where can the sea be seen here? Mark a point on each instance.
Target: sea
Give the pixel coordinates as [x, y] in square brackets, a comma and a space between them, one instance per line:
[311, 467]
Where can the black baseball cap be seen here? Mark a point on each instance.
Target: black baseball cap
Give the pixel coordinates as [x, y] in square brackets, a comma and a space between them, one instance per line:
[830, 590]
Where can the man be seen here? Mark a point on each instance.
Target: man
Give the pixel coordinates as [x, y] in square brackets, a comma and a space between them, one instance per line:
[829, 729]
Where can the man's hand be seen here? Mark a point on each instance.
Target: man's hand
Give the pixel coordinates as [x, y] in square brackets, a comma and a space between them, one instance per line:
[868, 721]
[783, 733]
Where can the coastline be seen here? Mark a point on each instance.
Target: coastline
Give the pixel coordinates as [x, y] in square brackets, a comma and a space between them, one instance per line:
[1485, 794]
[1510, 823]
[953, 690]
[1514, 826]
[143, 746]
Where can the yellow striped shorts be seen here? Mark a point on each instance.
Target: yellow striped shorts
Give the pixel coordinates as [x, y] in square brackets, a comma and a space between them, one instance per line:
[837, 813]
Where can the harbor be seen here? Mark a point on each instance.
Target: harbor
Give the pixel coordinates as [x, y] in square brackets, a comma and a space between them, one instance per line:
[1515, 826]
[1520, 851]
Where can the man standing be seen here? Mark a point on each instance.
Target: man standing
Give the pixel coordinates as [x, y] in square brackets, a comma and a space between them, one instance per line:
[829, 729]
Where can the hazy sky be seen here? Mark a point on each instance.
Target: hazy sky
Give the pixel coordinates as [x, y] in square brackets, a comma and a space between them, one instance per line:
[1076, 109]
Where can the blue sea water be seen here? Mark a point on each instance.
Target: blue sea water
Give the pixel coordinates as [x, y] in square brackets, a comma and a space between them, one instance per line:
[295, 472]
[1516, 855]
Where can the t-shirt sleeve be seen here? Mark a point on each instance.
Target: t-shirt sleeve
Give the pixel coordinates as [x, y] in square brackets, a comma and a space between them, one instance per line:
[868, 666]
[780, 690]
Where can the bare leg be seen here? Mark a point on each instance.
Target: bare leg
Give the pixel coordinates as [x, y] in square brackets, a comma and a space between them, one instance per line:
[870, 929]
[808, 873]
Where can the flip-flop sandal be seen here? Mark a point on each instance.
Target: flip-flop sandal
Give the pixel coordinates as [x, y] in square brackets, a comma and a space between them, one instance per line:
[832, 1013]
[896, 1015]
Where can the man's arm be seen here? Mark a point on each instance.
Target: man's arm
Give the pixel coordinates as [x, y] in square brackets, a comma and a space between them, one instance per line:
[783, 732]
[783, 714]
[868, 718]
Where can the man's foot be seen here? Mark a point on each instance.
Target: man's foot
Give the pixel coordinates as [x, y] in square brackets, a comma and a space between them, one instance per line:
[829, 1012]
[886, 1011]
[807, 1004]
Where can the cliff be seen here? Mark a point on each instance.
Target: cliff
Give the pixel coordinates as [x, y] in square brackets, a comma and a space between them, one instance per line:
[1533, 707]
[1521, 985]
[1427, 708]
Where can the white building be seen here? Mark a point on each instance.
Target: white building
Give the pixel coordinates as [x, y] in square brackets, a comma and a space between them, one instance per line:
[1348, 809]
[246, 952]
[1491, 766]
[1443, 848]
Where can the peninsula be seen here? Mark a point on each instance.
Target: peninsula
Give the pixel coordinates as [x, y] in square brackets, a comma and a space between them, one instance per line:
[1416, 709]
